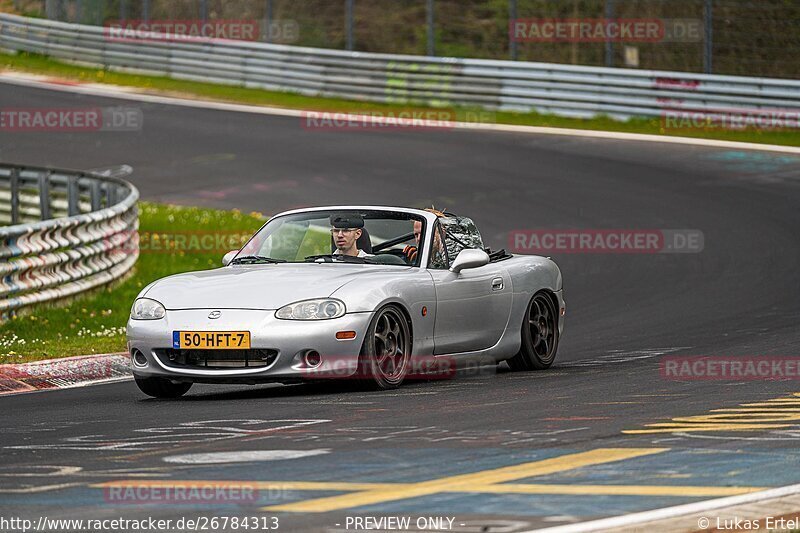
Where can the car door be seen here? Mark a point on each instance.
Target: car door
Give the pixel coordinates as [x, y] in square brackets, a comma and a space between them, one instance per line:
[473, 306]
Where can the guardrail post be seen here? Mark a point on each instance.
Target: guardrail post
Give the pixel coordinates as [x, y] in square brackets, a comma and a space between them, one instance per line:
[609, 43]
[708, 44]
[14, 182]
[512, 16]
[44, 195]
[73, 208]
[96, 197]
[348, 23]
[123, 10]
[78, 11]
[111, 194]
[51, 9]
[204, 10]
[268, 21]
[431, 33]
[146, 10]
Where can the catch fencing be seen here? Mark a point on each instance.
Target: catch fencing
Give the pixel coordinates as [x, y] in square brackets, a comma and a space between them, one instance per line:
[566, 90]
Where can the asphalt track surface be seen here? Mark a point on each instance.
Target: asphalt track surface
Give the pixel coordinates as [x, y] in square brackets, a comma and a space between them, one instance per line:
[571, 431]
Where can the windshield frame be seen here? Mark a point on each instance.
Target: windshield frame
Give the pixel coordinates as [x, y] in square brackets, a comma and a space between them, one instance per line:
[369, 212]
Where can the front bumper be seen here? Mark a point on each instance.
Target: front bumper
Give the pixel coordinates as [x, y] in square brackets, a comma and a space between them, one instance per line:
[291, 339]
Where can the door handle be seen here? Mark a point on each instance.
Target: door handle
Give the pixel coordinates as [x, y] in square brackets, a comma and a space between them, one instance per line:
[497, 284]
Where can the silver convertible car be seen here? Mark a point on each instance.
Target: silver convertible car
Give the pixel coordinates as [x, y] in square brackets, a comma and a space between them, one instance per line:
[373, 294]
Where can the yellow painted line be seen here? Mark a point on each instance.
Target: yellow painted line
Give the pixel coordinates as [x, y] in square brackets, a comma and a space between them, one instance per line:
[773, 404]
[465, 481]
[746, 417]
[614, 403]
[616, 490]
[767, 409]
[669, 427]
[257, 485]
[733, 418]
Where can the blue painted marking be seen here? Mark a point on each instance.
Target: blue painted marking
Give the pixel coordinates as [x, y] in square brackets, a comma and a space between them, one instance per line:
[387, 465]
[676, 467]
[754, 162]
[723, 468]
[521, 505]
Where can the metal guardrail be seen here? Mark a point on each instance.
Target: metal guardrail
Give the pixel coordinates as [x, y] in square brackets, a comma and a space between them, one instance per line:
[500, 85]
[70, 231]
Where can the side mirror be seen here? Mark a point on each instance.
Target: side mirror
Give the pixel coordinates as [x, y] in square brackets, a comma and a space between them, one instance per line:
[469, 258]
[227, 258]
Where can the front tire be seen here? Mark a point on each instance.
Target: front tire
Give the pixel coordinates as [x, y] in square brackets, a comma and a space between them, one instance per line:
[162, 387]
[539, 335]
[386, 352]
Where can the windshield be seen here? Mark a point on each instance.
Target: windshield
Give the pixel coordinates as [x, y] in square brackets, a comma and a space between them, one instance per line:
[382, 237]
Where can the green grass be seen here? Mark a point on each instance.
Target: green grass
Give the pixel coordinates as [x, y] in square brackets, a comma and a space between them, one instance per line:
[190, 89]
[95, 322]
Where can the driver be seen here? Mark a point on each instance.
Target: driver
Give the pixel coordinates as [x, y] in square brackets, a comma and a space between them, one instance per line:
[346, 229]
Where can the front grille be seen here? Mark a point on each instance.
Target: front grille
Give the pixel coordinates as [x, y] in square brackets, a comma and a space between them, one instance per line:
[217, 359]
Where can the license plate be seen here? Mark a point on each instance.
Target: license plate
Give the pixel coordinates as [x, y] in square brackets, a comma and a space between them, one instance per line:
[211, 340]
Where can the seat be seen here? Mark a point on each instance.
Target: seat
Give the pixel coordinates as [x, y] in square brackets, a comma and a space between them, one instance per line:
[363, 243]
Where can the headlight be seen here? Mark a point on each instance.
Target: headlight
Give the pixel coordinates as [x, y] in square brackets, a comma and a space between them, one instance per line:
[322, 309]
[147, 309]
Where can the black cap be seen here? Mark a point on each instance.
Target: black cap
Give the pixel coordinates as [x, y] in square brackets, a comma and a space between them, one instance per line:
[347, 220]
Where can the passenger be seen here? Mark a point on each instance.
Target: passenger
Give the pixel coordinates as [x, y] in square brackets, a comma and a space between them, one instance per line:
[411, 251]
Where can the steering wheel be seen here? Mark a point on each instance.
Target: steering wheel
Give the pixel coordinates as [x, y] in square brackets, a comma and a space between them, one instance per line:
[391, 257]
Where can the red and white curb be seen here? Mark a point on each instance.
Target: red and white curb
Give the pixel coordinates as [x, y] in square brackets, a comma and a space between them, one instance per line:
[64, 373]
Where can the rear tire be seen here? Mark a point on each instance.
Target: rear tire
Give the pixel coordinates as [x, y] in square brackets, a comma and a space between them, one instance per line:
[539, 335]
[386, 352]
[162, 387]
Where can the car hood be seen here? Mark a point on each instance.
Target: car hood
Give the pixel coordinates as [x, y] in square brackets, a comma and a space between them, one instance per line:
[265, 287]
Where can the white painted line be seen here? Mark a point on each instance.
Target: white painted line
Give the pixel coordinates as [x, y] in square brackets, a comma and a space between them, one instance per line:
[104, 381]
[126, 93]
[38, 489]
[67, 359]
[242, 457]
[673, 512]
